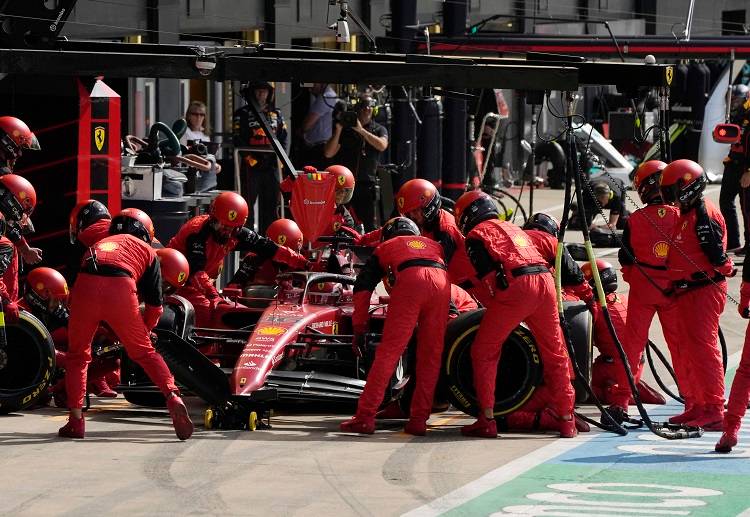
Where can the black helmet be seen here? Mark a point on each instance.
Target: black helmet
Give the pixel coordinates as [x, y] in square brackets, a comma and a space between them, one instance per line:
[398, 226]
[248, 88]
[473, 208]
[134, 222]
[543, 222]
[84, 214]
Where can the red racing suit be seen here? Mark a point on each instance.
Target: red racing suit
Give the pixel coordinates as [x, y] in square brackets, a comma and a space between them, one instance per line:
[415, 269]
[519, 288]
[205, 254]
[116, 270]
[697, 264]
[739, 396]
[84, 240]
[461, 302]
[646, 243]
[9, 278]
[444, 231]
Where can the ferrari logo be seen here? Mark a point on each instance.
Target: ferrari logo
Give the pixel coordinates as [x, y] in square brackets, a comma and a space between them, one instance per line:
[661, 249]
[271, 331]
[520, 241]
[661, 212]
[341, 179]
[669, 75]
[107, 246]
[232, 215]
[282, 239]
[416, 245]
[335, 328]
[181, 277]
[400, 202]
[99, 134]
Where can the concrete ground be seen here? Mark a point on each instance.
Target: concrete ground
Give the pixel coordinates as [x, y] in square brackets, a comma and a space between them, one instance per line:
[131, 463]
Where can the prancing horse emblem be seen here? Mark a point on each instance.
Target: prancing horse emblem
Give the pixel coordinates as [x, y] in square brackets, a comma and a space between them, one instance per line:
[99, 134]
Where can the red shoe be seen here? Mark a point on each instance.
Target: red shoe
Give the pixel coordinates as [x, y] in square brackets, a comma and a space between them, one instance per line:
[392, 411]
[729, 438]
[581, 425]
[691, 411]
[416, 427]
[482, 428]
[568, 428]
[359, 425]
[711, 419]
[649, 395]
[183, 426]
[75, 428]
[100, 388]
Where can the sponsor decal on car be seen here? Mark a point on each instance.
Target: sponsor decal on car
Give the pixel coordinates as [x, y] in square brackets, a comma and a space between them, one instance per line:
[270, 331]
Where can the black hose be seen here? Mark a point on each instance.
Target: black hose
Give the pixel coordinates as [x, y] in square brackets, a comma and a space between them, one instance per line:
[663, 430]
[608, 423]
[650, 346]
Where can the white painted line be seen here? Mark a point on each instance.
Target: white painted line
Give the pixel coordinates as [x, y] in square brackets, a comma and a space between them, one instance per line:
[499, 476]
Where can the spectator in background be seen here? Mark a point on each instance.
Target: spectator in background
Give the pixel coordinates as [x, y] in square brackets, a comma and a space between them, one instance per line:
[357, 144]
[317, 125]
[195, 139]
[259, 180]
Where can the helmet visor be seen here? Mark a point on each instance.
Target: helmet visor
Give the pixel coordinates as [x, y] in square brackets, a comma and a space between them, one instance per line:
[344, 195]
[32, 144]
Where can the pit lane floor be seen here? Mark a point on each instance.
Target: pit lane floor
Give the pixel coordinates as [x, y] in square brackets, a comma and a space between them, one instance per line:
[131, 463]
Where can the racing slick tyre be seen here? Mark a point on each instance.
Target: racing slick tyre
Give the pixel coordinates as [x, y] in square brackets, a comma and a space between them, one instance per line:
[30, 364]
[580, 329]
[519, 370]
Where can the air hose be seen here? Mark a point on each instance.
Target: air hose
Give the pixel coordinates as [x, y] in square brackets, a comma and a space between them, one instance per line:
[663, 430]
[608, 423]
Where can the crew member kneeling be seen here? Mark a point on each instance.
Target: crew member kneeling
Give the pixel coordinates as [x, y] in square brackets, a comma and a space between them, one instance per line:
[520, 289]
[420, 295]
[115, 271]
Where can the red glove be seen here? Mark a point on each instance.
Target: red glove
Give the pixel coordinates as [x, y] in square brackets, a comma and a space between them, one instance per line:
[371, 239]
[291, 258]
[151, 315]
[744, 308]
[205, 284]
[11, 312]
[727, 269]
[215, 302]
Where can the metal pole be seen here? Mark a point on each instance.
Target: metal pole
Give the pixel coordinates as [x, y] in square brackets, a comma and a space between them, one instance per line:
[689, 21]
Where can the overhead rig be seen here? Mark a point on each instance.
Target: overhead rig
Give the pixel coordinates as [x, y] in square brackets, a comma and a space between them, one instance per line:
[537, 72]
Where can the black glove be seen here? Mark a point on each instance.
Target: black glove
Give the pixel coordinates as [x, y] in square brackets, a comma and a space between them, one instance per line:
[358, 344]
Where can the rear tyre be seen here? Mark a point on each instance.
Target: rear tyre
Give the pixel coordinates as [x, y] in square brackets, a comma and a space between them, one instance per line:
[30, 364]
[580, 325]
[519, 370]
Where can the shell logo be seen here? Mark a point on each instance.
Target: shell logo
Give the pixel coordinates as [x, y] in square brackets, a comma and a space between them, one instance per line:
[39, 286]
[687, 176]
[416, 245]
[520, 241]
[232, 215]
[282, 239]
[271, 331]
[65, 289]
[22, 194]
[427, 194]
[336, 226]
[341, 179]
[400, 202]
[181, 277]
[107, 246]
[661, 249]
[661, 212]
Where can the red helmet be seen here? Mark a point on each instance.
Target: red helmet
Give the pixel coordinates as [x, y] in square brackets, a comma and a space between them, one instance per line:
[230, 209]
[418, 194]
[285, 232]
[133, 222]
[17, 197]
[646, 180]
[682, 181]
[472, 208]
[46, 289]
[174, 267]
[84, 214]
[607, 274]
[15, 135]
[344, 183]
